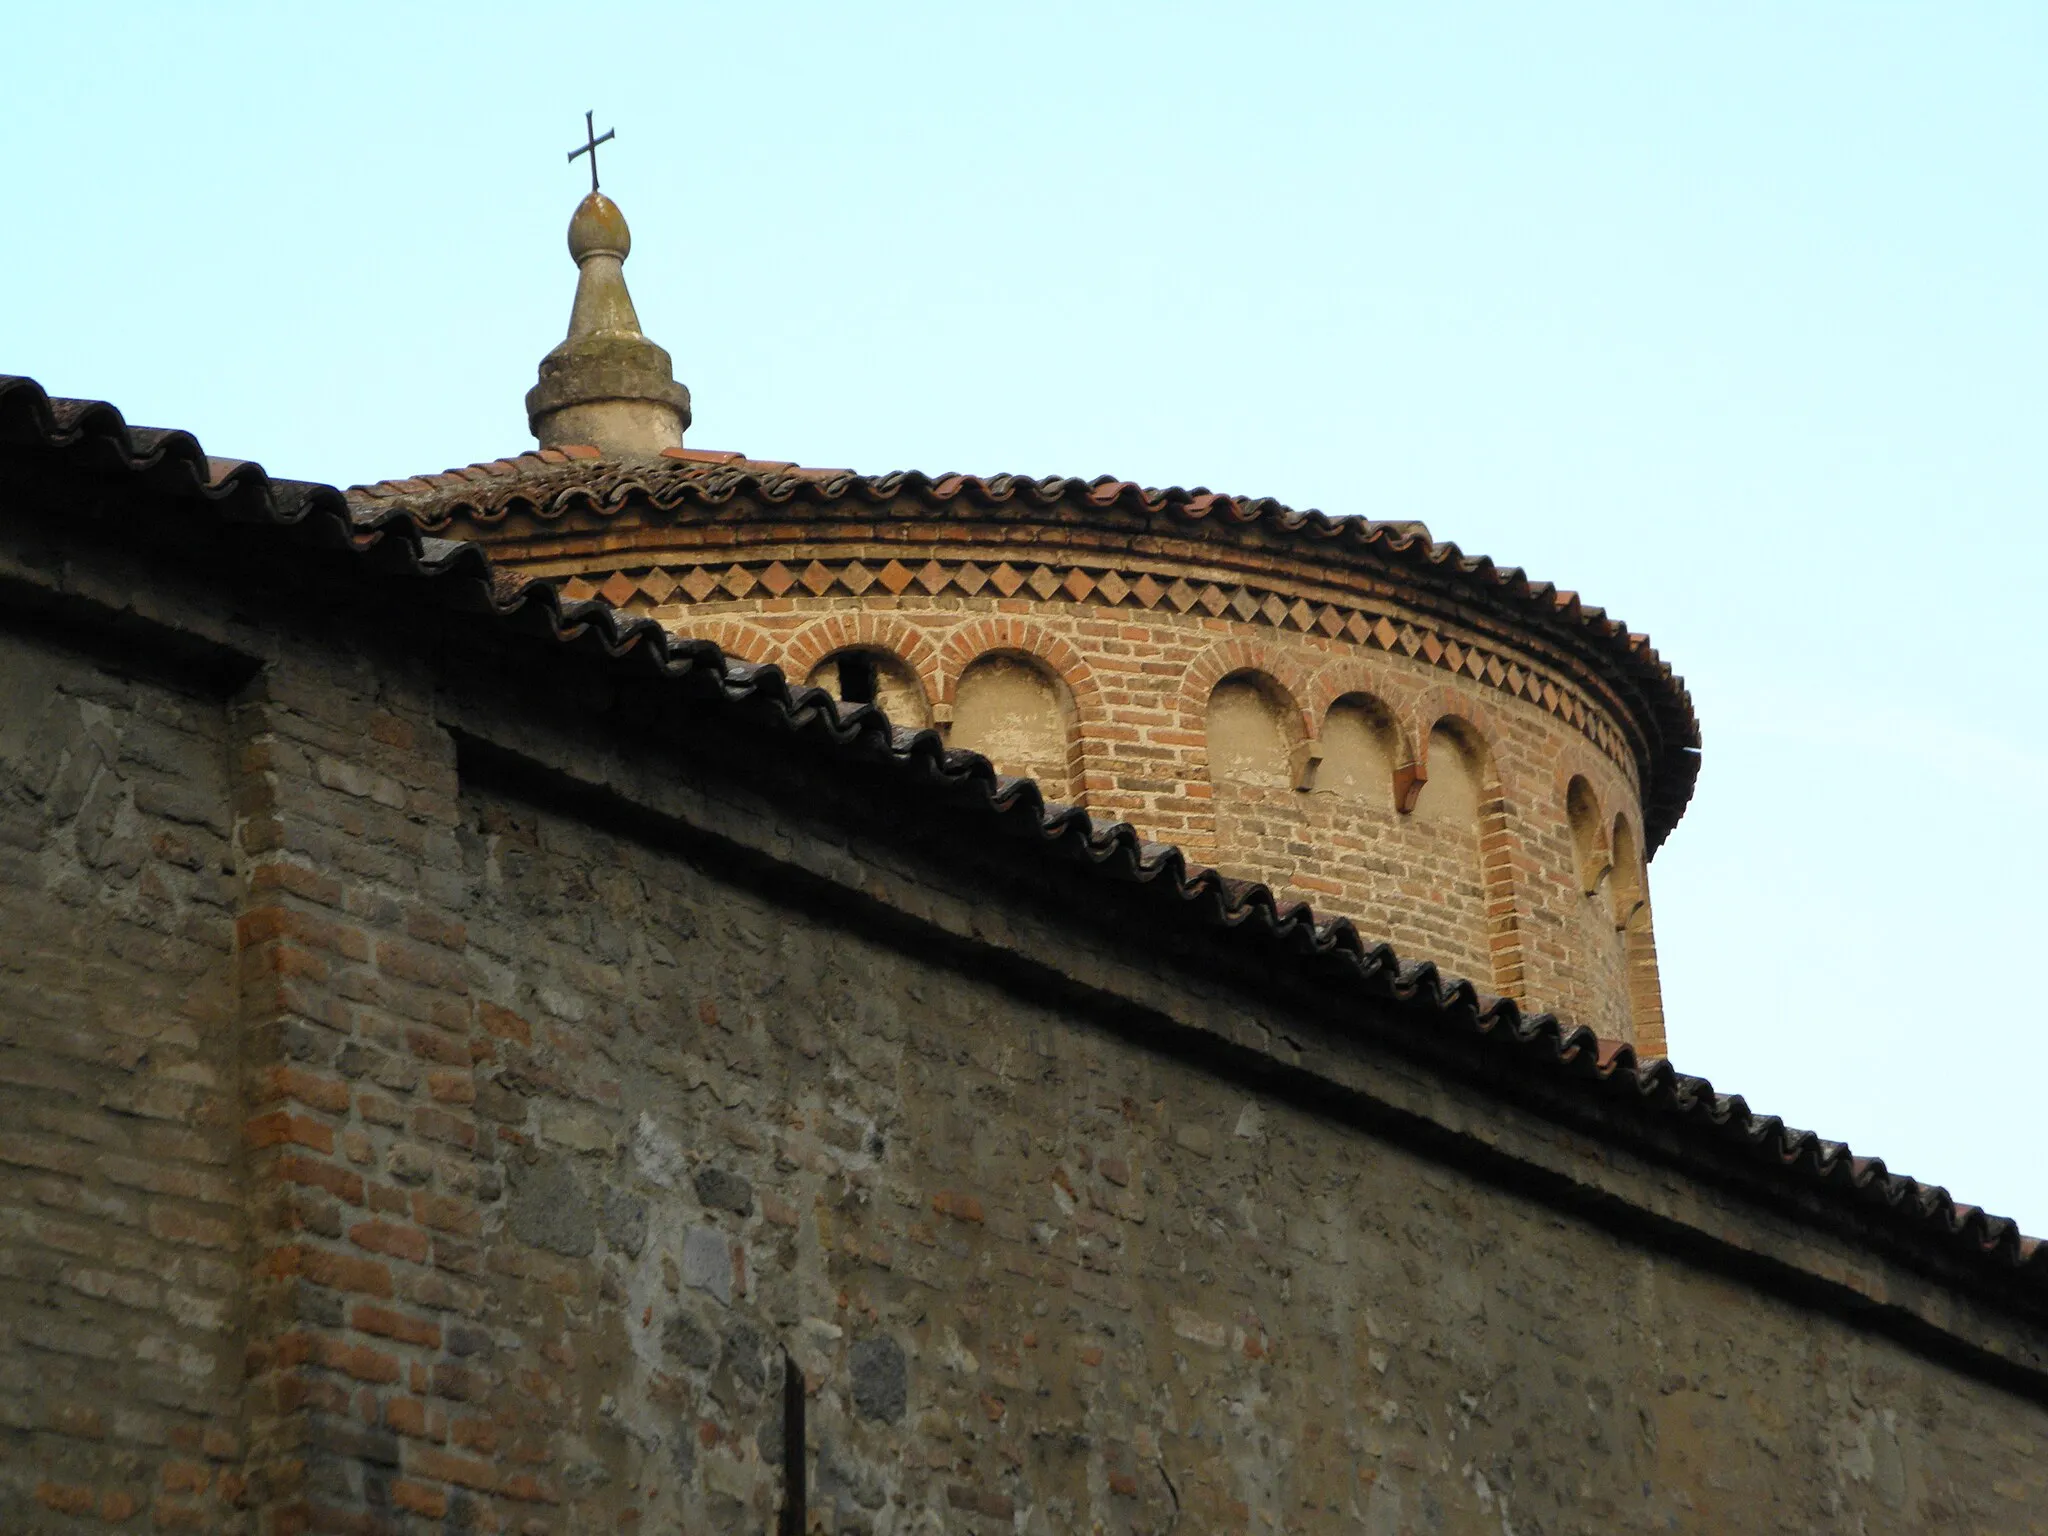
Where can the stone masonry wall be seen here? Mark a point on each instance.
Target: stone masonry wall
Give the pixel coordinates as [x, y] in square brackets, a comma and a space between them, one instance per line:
[1038, 1279]
[122, 1210]
[557, 1140]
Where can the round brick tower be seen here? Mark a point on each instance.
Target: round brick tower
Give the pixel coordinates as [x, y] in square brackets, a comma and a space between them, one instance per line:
[1473, 766]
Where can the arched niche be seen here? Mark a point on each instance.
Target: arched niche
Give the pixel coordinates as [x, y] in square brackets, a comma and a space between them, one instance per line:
[1014, 712]
[1253, 730]
[1459, 859]
[1628, 886]
[862, 675]
[1451, 794]
[1360, 748]
[1589, 847]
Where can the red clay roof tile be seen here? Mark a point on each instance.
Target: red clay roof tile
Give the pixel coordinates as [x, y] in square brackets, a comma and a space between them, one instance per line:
[1705, 1124]
[601, 488]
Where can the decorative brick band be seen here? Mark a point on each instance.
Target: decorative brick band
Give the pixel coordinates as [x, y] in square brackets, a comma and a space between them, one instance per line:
[661, 587]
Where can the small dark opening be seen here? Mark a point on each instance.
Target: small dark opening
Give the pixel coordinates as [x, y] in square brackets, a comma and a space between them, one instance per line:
[857, 679]
[793, 1490]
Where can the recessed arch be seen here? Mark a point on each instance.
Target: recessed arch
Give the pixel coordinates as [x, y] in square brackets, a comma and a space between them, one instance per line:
[1247, 656]
[1014, 710]
[1361, 748]
[804, 652]
[1389, 691]
[740, 640]
[1252, 732]
[1256, 756]
[1627, 885]
[1009, 634]
[1590, 859]
[871, 675]
[1433, 715]
[1456, 800]
[1456, 766]
[1012, 635]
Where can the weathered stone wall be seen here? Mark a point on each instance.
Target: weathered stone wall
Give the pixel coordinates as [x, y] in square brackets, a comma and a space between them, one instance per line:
[579, 1082]
[1140, 633]
[122, 1210]
[1039, 1278]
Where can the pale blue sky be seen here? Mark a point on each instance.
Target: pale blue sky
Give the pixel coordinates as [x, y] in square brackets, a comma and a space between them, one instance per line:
[1732, 317]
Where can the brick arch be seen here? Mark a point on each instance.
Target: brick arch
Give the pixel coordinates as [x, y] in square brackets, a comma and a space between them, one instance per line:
[1203, 830]
[1586, 873]
[1630, 890]
[1346, 676]
[1006, 632]
[858, 630]
[738, 639]
[1579, 762]
[1433, 706]
[1244, 655]
[1421, 712]
[1504, 870]
[1000, 634]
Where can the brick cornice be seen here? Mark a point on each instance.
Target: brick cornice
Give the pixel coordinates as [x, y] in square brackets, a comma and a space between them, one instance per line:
[572, 512]
[694, 594]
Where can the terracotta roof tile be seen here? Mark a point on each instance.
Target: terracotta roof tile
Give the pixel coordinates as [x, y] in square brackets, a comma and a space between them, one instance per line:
[1695, 1123]
[713, 481]
[700, 455]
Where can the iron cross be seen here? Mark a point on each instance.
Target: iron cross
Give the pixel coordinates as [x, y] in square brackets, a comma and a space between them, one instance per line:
[592, 138]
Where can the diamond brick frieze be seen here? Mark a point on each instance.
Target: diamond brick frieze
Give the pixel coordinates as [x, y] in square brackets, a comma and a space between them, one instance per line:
[827, 579]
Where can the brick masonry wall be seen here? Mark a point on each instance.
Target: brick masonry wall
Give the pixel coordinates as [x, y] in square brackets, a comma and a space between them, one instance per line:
[554, 1140]
[1140, 684]
[1037, 1279]
[1140, 675]
[352, 959]
[122, 1208]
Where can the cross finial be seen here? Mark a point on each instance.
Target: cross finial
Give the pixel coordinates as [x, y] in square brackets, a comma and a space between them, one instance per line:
[591, 139]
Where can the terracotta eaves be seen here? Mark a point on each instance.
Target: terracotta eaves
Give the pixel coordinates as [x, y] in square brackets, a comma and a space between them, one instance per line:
[549, 486]
[90, 439]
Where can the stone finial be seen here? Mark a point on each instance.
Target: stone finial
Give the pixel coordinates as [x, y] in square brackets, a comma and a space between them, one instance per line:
[606, 385]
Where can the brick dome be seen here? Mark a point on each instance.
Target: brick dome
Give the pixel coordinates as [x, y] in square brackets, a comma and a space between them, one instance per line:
[1466, 763]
